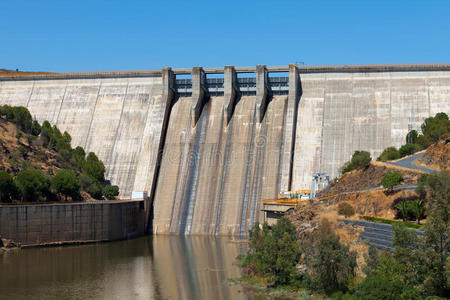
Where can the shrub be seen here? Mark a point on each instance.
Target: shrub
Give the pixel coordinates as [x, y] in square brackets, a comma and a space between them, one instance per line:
[8, 190]
[408, 149]
[95, 190]
[360, 159]
[433, 129]
[94, 167]
[273, 252]
[411, 137]
[66, 183]
[111, 191]
[18, 135]
[35, 128]
[346, 209]
[33, 185]
[390, 153]
[391, 179]
[330, 264]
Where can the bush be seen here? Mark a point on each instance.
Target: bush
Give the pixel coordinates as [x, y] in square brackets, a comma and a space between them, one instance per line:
[8, 190]
[433, 129]
[94, 168]
[66, 183]
[411, 137]
[33, 185]
[360, 159]
[408, 149]
[273, 252]
[95, 190]
[346, 209]
[330, 264]
[111, 191]
[376, 286]
[390, 153]
[391, 179]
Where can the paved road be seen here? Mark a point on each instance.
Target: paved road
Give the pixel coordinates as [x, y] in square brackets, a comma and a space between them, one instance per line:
[408, 162]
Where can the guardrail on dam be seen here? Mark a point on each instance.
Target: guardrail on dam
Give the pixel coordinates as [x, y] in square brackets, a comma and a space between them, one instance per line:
[209, 148]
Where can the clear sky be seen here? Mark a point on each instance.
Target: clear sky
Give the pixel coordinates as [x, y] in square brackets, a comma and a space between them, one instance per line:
[126, 35]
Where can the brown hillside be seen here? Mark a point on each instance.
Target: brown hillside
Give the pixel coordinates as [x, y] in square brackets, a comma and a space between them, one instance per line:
[437, 156]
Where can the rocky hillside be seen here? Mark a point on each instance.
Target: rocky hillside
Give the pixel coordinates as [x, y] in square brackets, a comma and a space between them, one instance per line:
[437, 156]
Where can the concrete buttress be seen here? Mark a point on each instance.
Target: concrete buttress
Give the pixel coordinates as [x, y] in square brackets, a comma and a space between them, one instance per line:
[231, 91]
[199, 93]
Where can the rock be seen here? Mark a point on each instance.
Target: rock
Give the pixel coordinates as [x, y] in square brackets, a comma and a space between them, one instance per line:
[8, 244]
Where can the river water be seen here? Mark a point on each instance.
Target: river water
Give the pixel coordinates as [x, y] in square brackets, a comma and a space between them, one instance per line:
[151, 267]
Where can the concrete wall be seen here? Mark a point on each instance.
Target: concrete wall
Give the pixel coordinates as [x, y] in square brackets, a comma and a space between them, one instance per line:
[209, 161]
[339, 113]
[120, 119]
[32, 225]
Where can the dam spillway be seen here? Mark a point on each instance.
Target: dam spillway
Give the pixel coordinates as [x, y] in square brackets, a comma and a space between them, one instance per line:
[210, 149]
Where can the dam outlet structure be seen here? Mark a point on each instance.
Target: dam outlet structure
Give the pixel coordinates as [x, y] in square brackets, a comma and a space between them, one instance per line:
[209, 144]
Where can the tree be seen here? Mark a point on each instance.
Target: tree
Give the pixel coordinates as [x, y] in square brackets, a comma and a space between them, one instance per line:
[411, 137]
[437, 232]
[95, 190]
[403, 208]
[346, 209]
[408, 149]
[35, 128]
[417, 208]
[391, 179]
[360, 159]
[94, 167]
[8, 190]
[66, 183]
[330, 264]
[273, 252]
[111, 191]
[433, 129]
[390, 153]
[33, 185]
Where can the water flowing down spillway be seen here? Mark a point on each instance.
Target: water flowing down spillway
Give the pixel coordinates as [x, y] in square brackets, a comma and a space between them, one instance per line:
[214, 175]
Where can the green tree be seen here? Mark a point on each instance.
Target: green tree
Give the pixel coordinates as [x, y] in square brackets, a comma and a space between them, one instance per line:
[391, 179]
[22, 118]
[95, 190]
[66, 184]
[331, 265]
[346, 209]
[94, 167]
[35, 128]
[437, 233]
[111, 191]
[408, 149]
[390, 153]
[273, 252]
[411, 137]
[360, 159]
[8, 190]
[417, 208]
[33, 185]
[403, 209]
[433, 129]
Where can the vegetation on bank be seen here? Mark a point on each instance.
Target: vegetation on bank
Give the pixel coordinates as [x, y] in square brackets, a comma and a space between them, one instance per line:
[76, 171]
[433, 129]
[417, 268]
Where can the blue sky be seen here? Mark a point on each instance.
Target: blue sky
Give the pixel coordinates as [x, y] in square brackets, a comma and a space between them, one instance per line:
[126, 35]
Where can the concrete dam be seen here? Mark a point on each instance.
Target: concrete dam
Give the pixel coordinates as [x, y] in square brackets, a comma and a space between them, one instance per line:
[210, 144]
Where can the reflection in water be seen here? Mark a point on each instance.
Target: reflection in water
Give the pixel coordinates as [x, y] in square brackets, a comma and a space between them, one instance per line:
[162, 267]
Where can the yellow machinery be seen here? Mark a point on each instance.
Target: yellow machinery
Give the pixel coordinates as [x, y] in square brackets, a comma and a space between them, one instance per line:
[289, 197]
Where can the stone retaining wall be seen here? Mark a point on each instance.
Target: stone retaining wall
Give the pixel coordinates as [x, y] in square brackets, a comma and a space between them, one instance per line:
[33, 225]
